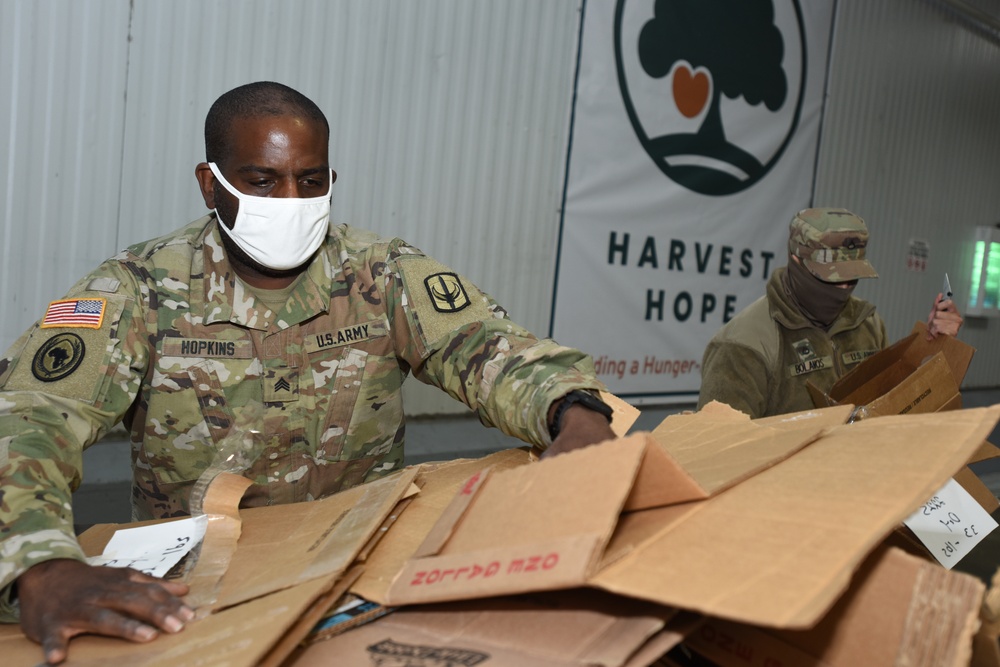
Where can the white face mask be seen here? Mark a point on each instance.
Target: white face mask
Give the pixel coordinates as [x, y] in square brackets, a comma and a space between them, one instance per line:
[279, 233]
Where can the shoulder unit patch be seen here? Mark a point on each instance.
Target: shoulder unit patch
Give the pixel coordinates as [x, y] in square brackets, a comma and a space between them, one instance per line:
[58, 357]
[447, 292]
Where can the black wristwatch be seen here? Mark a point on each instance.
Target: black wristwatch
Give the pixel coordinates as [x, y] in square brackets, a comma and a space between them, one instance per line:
[581, 397]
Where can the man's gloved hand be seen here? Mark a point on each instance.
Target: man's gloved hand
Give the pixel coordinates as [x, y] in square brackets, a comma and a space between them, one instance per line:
[63, 598]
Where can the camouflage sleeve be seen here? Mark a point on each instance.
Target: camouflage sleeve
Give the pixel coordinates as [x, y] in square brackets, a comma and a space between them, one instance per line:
[62, 387]
[734, 374]
[457, 338]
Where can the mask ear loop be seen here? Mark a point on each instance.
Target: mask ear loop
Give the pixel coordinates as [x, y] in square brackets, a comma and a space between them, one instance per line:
[242, 195]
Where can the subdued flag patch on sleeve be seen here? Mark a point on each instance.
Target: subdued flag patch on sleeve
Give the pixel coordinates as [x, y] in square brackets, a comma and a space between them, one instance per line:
[86, 313]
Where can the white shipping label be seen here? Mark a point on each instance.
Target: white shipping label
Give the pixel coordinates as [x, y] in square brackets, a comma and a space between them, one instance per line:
[153, 549]
[951, 523]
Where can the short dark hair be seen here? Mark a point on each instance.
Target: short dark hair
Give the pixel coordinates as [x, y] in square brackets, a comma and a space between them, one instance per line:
[254, 100]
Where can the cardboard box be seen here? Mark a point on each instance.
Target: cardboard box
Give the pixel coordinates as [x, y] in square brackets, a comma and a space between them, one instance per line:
[797, 516]
[986, 645]
[578, 628]
[899, 610]
[291, 563]
[912, 375]
[439, 483]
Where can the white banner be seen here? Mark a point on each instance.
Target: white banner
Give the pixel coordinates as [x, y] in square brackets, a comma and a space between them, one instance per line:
[694, 138]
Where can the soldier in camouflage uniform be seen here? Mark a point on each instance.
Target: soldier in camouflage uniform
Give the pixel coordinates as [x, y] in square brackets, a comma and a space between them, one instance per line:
[808, 326]
[193, 337]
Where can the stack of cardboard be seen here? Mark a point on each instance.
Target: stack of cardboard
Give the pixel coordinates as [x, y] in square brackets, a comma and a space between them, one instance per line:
[715, 538]
[760, 526]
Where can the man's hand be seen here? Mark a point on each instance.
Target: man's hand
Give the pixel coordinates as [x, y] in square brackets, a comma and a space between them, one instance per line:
[580, 427]
[944, 318]
[63, 598]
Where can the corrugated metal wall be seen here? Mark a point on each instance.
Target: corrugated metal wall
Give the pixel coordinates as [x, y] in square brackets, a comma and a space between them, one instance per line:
[449, 122]
[911, 141]
[62, 73]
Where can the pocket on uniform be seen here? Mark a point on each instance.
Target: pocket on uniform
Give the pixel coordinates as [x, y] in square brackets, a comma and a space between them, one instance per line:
[187, 419]
[342, 387]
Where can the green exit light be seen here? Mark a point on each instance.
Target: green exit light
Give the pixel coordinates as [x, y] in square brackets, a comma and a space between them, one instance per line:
[984, 283]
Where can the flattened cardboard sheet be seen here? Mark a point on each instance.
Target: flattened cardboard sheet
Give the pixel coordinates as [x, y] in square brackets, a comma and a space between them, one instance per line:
[721, 446]
[900, 610]
[284, 545]
[439, 483]
[776, 549]
[576, 628]
[288, 558]
[241, 635]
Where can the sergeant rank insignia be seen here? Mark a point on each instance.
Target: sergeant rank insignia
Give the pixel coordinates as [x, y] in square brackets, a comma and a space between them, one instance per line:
[446, 292]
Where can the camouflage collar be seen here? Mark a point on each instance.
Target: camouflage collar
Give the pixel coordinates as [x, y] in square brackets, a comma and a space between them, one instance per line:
[226, 298]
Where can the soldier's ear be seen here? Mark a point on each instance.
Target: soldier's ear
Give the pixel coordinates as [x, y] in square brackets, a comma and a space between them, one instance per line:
[206, 183]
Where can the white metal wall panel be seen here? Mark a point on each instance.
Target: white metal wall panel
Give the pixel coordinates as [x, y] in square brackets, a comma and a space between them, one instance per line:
[62, 70]
[910, 142]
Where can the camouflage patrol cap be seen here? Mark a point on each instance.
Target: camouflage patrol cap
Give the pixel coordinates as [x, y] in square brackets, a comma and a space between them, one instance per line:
[831, 244]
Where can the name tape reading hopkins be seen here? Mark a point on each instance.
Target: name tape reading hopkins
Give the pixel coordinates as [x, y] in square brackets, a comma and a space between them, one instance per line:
[694, 137]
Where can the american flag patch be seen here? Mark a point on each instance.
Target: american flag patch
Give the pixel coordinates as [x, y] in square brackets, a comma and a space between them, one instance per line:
[87, 313]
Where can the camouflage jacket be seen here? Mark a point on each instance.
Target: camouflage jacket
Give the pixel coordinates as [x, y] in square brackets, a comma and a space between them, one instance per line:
[760, 360]
[165, 337]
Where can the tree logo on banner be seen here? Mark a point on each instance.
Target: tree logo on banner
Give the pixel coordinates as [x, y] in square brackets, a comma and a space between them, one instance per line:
[713, 88]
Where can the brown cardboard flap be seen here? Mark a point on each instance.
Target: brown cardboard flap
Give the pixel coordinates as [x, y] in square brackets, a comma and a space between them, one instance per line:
[661, 480]
[928, 388]
[440, 482]
[780, 547]
[985, 452]
[624, 415]
[452, 514]
[958, 353]
[819, 397]
[308, 619]
[287, 562]
[723, 447]
[240, 636]
[575, 628]
[577, 493]
[986, 646]
[221, 504]
[284, 545]
[900, 610]
[852, 381]
[903, 368]
[555, 563]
